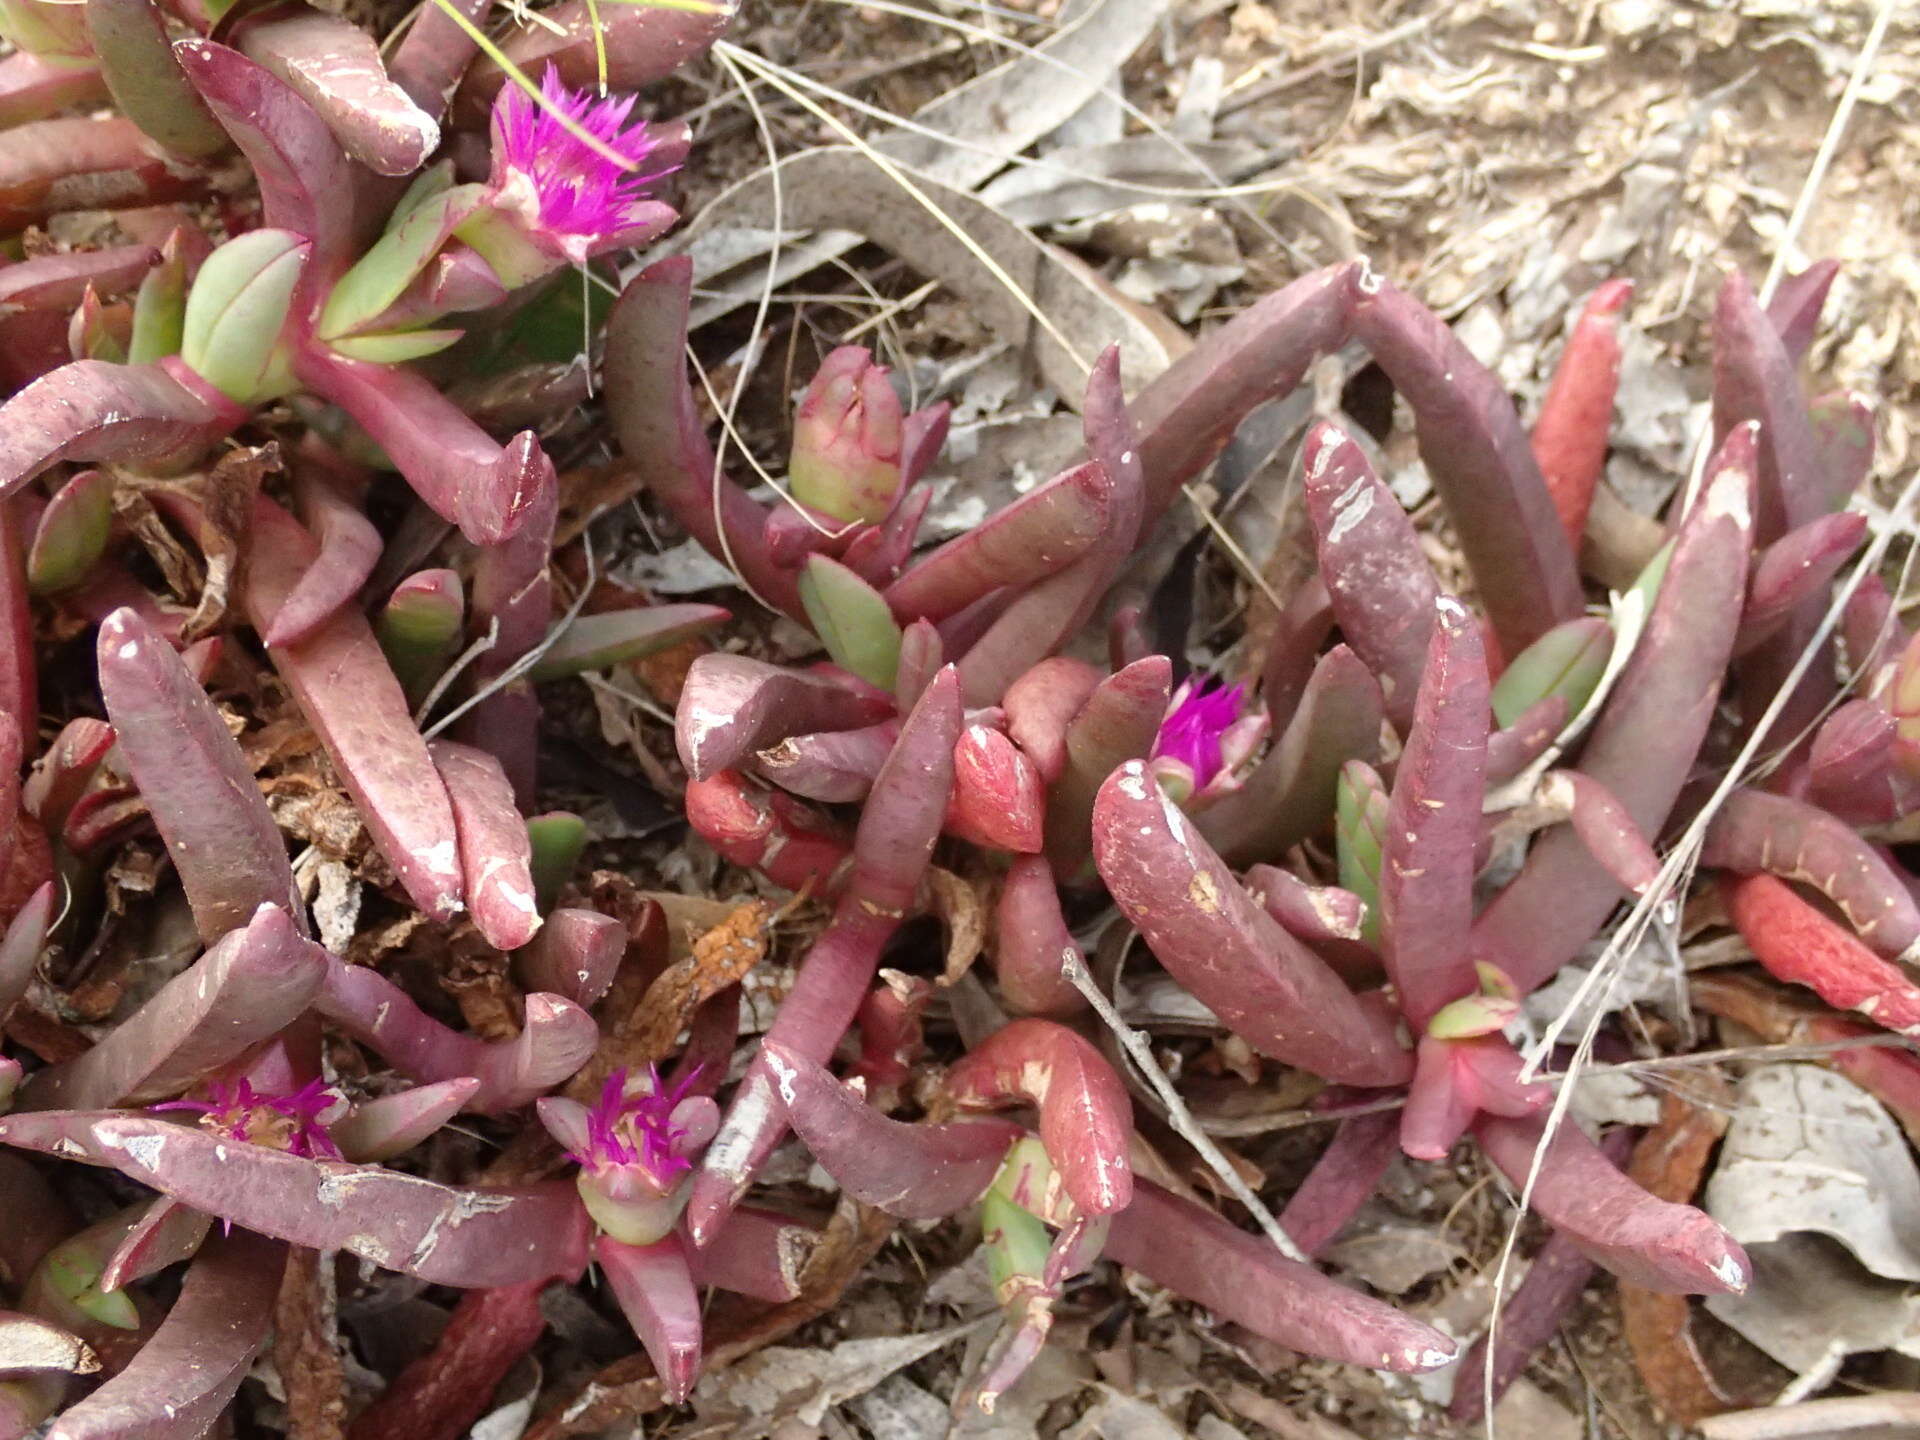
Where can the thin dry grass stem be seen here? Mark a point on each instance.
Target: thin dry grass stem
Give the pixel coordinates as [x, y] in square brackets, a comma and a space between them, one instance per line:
[526, 662]
[776, 76]
[1178, 1116]
[1241, 560]
[456, 669]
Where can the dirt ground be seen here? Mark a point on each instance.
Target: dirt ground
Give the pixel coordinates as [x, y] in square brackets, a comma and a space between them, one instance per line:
[1500, 158]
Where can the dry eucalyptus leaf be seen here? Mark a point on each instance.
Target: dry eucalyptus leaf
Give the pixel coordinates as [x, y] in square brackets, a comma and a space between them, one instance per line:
[1809, 1151]
[1812, 1304]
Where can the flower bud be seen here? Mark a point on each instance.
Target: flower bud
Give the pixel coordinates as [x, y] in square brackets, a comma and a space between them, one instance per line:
[846, 439]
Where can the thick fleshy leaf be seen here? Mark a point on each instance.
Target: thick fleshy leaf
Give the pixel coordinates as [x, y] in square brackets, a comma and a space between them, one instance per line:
[341, 682]
[33, 87]
[1795, 569]
[557, 839]
[167, 1233]
[1576, 416]
[1213, 938]
[419, 628]
[998, 801]
[138, 65]
[1031, 943]
[557, 1039]
[20, 950]
[441, 1233]
[1646, 1241]
[72, 534]
[1643, 743]
[1378, 579]
[759, 1253]
[613, 637]
[1041, 703]
[349, 549]
[1242, 1278]
[574, 955]
[495, 854]
[196, 783]
[451, 463]
[892, 847]
[1117, 723]
[334, 65]
[852, 621]
[305, 180]
[61, 281]
[1433, 824]
[246, 989]
[1754, 379]
[147, 415]
[179, 1383]
[732, 706]
[1086, 1116]
[377, 1130]
[1018, 544]
[1567, 661]
[1292, 793]
[1481, 465]
[788, 841]
[918, 1172]
[1345, 1177]
[654, 1289]
[641, 44]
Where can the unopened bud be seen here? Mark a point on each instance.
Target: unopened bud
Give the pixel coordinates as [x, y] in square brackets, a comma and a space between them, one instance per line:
[846, 439]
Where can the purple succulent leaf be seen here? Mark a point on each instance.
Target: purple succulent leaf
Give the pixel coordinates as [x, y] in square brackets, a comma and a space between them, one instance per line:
[306, 182]
[895, 840]
[1119, 722]
[1754, 379]
[1317, 914]
[341, 680]
[917, 1172]
[435, 52]
[1242, 1278]
[1853, 771]
[60, 282]
[1478, 454]
[654, 1288]
[613, 637]
[349, 548]
[835, 768]
[662, 436]
[1643, 743]
[1533, 1315]
[1433, 823]
[1756, 831]
[1795, 569]
[495, 854]
[1843, 442]
[1031, 942]
[247, 988]
[1048, 613]
[1378, 580]
[1186, 415]
[732, 706]
[55, 166]
[451, 463]
[33, 88]
[1214, 939]
[147, 415]
[443, 1234]
[757, 1253]
[165, 1234]
[1511, 749]
[1345, 1177]
[1646, 1241]
[1019, 544]
[1290, 795]
[196, 783]
[20, 949]
[377, 1130]
[139, 68]
[1303, 629]
[575, 955]
[876, 555]
[1794, 311]
[559, 1037]
[1040, 705]
[642, 44]
[334, 65]
[179, 1383]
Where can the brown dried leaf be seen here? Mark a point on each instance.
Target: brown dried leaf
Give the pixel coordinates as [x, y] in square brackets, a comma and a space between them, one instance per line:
[964, 913]
[721, 957]
[306, 1348]
[1670, 1161]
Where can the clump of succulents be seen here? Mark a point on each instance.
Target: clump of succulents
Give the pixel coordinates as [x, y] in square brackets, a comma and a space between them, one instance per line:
[1305, 850]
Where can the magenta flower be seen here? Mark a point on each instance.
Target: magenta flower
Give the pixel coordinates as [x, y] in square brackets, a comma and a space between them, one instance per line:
[1195, 732]
[633, 1146]
[234, 1109]
[569, 194]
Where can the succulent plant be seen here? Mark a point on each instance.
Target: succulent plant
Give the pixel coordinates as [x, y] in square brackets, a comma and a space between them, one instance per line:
[1303, 846]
